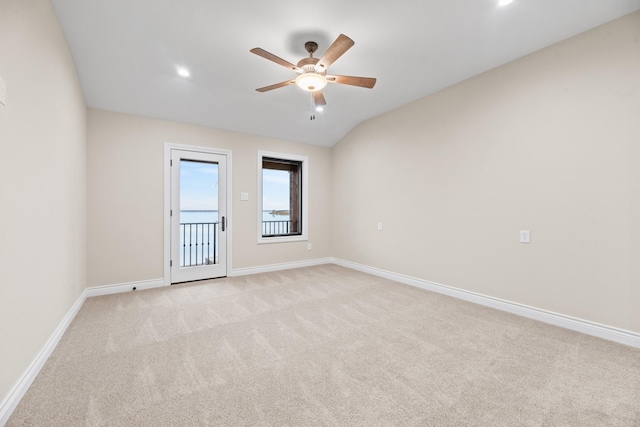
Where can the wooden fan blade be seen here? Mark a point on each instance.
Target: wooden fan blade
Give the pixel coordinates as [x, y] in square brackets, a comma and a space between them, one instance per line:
[271, 57]
[335, 51]
[368, 82]
[275, 86]
[318, 98]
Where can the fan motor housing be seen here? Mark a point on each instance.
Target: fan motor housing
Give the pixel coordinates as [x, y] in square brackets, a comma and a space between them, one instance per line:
[308, 64]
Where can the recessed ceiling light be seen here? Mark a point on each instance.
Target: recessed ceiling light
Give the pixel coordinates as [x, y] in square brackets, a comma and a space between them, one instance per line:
[504, 2]
[183, 72]
[319, 108]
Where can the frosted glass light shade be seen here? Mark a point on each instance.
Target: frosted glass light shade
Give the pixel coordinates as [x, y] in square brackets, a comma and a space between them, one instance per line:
[311, 81]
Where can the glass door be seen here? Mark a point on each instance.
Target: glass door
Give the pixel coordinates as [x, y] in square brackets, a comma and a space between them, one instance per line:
[198, 216]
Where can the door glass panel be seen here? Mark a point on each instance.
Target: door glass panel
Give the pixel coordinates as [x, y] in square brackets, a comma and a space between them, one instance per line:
[199, 227]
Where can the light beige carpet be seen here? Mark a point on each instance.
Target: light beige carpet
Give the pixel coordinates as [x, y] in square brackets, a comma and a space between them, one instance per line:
[323, 346]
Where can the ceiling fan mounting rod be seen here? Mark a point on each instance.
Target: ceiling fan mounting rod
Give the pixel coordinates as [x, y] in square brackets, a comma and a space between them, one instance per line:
[311, 47]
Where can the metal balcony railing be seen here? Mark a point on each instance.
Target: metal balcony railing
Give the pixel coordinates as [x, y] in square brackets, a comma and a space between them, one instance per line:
[198, 243]
[276, 228]
[199, 240]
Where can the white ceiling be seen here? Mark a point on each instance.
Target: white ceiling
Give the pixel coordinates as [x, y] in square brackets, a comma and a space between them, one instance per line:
[127, 51]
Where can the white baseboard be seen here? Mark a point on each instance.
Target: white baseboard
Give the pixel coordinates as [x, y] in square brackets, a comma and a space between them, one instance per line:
[276, 267]
[575, 324]
[123, 287]
[17, 392]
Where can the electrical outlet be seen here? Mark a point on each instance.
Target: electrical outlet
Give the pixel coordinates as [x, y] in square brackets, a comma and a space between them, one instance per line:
[309, 247]
[379, 226]
[525, 236]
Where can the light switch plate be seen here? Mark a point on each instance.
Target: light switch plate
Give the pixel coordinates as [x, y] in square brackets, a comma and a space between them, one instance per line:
[244, 196]
[3, 92]
[525, 236]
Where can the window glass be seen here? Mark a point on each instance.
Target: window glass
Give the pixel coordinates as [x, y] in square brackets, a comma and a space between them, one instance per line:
[282, 181]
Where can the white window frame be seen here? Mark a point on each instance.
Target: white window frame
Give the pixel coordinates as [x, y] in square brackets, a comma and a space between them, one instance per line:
[305, 197]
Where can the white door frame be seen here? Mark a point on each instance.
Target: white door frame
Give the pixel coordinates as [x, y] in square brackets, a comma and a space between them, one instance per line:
[168, 146]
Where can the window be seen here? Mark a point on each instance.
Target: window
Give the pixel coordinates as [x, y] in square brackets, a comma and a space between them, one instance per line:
[282, 207]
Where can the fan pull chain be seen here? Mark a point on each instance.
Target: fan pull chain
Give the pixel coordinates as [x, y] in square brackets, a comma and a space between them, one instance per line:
[312, 116]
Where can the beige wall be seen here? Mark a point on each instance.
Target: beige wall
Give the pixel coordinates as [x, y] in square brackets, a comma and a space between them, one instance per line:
[126, 189]
[42, 184]
[548, 143]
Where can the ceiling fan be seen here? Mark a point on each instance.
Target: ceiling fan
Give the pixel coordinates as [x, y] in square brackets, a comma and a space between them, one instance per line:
[312, 72]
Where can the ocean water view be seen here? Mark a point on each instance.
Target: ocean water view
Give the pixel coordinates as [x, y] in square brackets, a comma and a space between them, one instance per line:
[202, 216]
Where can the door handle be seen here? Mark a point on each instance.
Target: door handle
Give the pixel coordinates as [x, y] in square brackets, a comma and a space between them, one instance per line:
[223, 223]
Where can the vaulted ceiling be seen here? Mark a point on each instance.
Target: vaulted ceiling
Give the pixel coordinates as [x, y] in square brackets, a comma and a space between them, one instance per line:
[127, 53]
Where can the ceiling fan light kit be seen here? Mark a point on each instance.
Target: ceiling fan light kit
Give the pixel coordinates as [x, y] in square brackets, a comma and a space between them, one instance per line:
[311, 81]
[312, 72]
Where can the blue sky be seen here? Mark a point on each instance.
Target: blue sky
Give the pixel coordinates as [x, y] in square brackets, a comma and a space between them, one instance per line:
[275, 188]
[199, 187]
